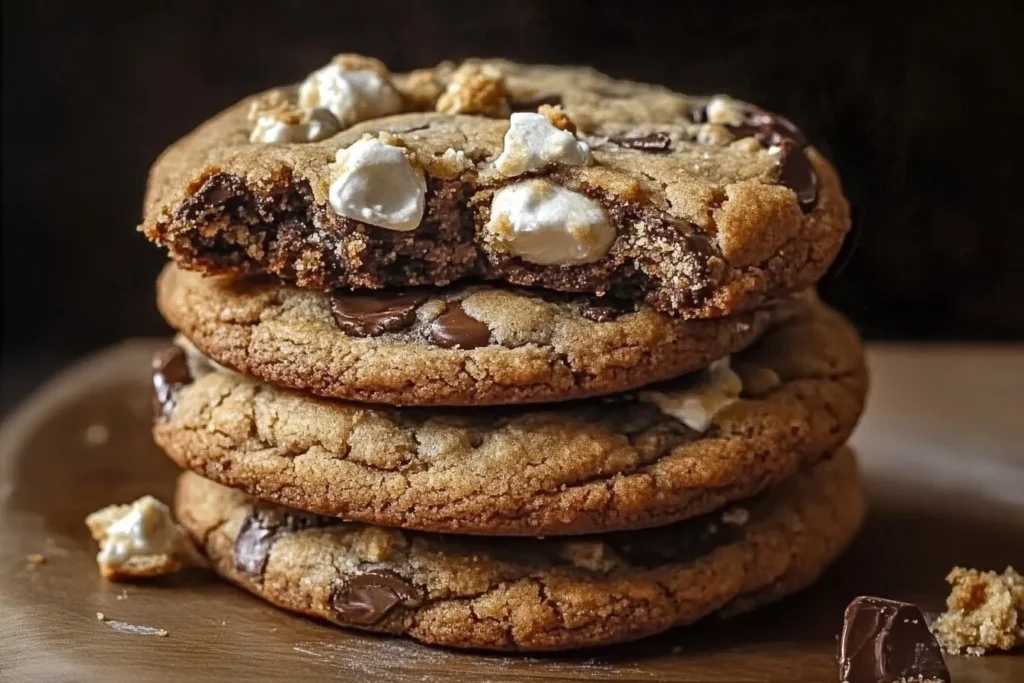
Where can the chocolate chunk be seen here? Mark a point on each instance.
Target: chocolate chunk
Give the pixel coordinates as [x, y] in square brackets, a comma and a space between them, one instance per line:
[170, 373]
[455, 328]
[535, 103]
[768, 129]
[796, 173]
[795, 170]
[252, 545]
[262, 527]
[367, 598]
[369, 315]
[652, 142]
[886, 641]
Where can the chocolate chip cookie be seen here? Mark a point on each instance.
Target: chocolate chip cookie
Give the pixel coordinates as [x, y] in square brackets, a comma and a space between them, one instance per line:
[529, 594]
[552, 177]
[633, 460]
[472, 345]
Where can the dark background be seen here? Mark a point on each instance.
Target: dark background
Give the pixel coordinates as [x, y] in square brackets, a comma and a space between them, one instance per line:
[919, 105]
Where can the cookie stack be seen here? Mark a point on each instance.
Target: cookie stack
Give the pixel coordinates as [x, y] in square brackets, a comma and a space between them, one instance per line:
[503, 356]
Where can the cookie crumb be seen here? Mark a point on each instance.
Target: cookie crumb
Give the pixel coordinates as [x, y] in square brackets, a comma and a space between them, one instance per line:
[123, 595]
[96, 434]
[985, 612]
[475, 89]
[35, 559]
[139, 540]
[100, 616]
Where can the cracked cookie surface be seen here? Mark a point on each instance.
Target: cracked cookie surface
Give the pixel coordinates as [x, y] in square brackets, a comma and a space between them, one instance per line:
[530, 594]
[714, 210]
[533, 346]
[578, 467]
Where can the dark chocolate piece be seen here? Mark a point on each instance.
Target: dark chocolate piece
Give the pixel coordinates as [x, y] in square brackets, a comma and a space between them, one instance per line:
[795, 172]
[652, 142]
[367, 598]
[888, 641]
[369, 315]
[252, 546]
[455, 328]
[261, 527]
[170, 373]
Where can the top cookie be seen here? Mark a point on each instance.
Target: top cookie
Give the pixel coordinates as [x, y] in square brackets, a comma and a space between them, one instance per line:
[697, 206]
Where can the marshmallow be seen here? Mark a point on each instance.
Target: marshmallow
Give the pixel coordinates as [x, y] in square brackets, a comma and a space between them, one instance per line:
[532, 142]
[352, 95]
[544, 223]
[724, 110]
[697, 405]
[305, 125]
[376, 184]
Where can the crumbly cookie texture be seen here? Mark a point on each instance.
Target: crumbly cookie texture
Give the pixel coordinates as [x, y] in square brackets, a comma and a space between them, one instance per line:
[700, 207]
[577, 467]
[985, 612]
[528, 594]
[139, 540]
[463, 345]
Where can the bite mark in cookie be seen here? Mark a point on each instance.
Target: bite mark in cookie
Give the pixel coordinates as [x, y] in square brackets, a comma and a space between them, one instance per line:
[665, 182]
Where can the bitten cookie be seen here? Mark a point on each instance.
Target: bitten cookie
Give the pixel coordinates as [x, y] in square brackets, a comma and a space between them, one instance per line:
[552, 177]
[459, 346]
[633, 460]
[529, 594]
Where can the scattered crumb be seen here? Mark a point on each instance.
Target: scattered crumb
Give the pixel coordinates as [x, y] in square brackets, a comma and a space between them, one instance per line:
[123, 595]
[96, 435]
[985, 611]
[100, 616]
[35, 559]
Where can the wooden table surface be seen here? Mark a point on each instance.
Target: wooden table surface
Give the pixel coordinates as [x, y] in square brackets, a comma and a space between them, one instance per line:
[942, 445]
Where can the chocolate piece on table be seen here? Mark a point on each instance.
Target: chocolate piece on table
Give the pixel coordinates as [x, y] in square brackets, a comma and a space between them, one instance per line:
[888, 641]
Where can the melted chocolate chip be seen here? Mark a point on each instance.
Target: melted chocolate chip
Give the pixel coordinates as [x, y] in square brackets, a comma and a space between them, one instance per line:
[372, 315]
[796, 173]
[795, 170]
[170, 373]
[536, 102]
[885, 641]
[367, 598]
[455, 328]
[261, 527]
[252, 546]
[652, 142]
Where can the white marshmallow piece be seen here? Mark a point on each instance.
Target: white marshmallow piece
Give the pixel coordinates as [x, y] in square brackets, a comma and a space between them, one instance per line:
[376, 184]
[697, 406]
[532, 142]
[143, 529]
[724, 110]
[544, 223]
[351, 95]
[315, 124]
